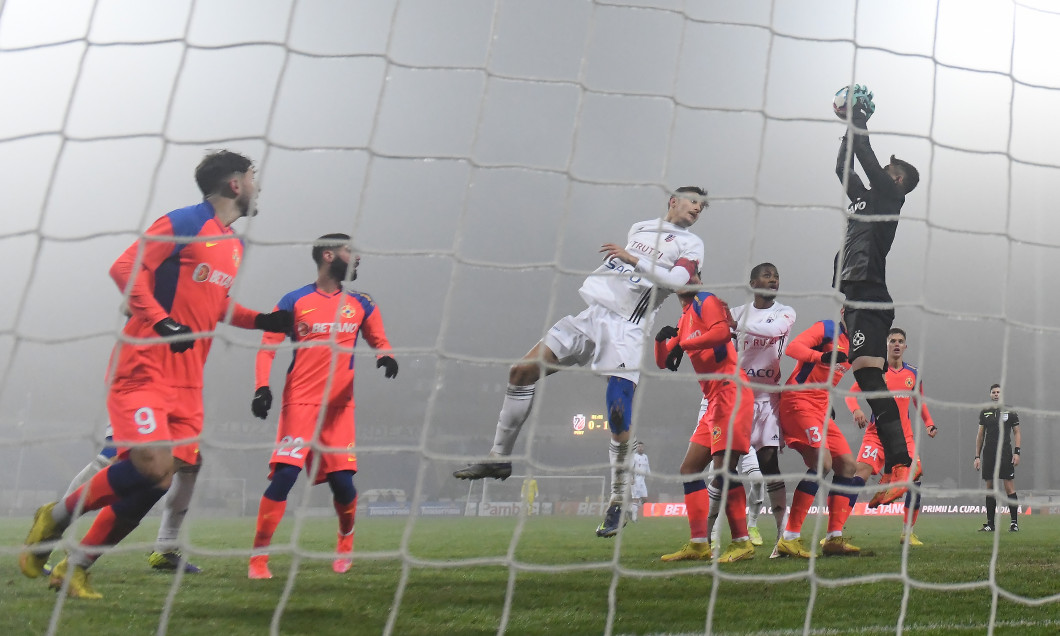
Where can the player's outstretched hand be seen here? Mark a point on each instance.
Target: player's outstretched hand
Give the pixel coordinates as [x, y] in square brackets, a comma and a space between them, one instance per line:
[666, 333]
[279, 321]
[262, 402]
[673, 361]
[838, 356]
[932, 430]
[390, 364]
[863, 107]
[169, 328]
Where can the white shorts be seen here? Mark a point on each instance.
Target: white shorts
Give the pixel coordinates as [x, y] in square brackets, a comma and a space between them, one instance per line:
[640, 489]
[765, 431]
[607, 342]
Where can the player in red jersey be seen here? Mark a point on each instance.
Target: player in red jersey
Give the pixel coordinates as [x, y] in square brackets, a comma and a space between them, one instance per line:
[177, 278]
[316, 426]
[903, 381]
[723, 433]
[807, 422]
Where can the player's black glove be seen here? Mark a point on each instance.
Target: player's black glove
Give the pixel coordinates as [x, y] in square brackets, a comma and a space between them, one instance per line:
[390, 364]
[279, 321]
[262, 402]
[168, 328]
[666, 333]
[827, 357]
[673, 361]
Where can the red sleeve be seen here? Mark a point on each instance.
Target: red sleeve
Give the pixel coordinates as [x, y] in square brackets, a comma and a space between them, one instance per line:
[242, 317]
[373, 331]
[802, 346]
[924, 413]
[852, 400]
[710, 327]
[267, 353]
[663, 349]
[140, 284]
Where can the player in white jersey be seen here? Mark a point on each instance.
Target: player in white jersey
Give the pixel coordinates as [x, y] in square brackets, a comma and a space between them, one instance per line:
[641, 469]
[763, 326]
[623, 295]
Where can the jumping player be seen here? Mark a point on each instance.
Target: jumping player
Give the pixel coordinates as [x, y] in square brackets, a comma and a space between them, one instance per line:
[623, 295]
[177, 277]
[908, 389]
[328, 320]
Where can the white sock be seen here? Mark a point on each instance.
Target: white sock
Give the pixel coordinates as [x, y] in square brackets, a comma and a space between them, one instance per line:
[621, 466]
[754, 498]
[175, 509]
[88, 472]
[514, 411]
[778, 501]
[712, 518]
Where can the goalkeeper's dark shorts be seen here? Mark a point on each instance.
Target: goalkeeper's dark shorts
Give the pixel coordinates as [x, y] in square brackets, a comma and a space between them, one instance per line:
[867, 327]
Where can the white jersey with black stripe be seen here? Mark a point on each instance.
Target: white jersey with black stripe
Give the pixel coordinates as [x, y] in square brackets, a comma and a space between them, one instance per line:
[626, 290]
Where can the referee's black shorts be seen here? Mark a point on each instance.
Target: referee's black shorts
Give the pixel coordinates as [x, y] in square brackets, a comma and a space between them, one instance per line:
[1008, 471]
[867, 327]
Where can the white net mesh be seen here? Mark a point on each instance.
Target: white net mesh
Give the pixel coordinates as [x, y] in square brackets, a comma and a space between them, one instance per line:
[479, 151]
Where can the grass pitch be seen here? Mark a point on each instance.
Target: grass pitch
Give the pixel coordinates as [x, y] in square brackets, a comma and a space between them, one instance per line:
[453, 580]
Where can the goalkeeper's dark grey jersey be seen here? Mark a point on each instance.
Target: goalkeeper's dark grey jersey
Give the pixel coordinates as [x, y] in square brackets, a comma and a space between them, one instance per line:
[867, 241]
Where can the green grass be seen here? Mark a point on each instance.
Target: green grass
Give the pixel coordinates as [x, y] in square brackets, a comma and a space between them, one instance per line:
[444, 594]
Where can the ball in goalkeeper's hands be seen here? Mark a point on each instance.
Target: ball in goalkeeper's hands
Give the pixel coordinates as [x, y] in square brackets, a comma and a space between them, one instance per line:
[859, 97]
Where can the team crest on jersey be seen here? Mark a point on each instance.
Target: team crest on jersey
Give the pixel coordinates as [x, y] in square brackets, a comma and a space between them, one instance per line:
[302, 329]
[669, 237]
[347, 311]
[201, 273]
[1004, 416]
[715, 434]
[909, 382]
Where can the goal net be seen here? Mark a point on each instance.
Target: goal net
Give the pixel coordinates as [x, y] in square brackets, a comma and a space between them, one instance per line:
[480, 152]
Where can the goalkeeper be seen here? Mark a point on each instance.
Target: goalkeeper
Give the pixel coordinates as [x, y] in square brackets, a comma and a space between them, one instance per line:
[623, 295]
[177, 278]
[860, 273]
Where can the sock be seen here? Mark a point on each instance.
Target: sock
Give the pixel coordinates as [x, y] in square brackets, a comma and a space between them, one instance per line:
[93, 467]
[736, 511]
[912, 507]
[697, 504]
[106, 487]
[514, 411]
[114, 523]
[175, 509]
[618, 452]
[347, 513]
[778, 501]
[714, 500]
[270, 513]
[991, 508]
[801, 501]
[840, 504]
[1012, 507]
[754, 498]
[888, 417]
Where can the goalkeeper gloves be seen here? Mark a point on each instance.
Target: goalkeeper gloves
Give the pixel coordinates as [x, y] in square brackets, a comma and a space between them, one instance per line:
[863, 105]
[673, 361]
[279, 321]
[390, 364]
[169, 328]
[838, 356]
[262, 402]
[666, 333]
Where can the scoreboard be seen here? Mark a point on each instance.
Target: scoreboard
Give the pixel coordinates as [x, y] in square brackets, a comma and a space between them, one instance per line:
[582, 423]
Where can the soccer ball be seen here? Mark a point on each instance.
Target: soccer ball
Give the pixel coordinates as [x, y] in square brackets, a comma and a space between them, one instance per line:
[839, 104]
[857, 94]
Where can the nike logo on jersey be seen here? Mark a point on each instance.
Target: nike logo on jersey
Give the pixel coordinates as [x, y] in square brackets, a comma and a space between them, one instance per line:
[209, 244]
[306, 311]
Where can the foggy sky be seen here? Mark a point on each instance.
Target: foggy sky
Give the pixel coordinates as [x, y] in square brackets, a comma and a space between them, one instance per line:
[480, 151]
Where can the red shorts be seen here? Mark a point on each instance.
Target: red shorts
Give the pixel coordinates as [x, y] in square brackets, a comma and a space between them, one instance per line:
[728, 411]
[294, 438]
[871, 454]
[157, 414]
[803, 426]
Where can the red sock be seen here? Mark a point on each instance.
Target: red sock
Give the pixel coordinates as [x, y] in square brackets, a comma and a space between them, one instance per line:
[269, 515]
[107, 529]
[736, 510]
[347, 515]
[99, 495]
[697, 504]
[800, 507]
[838, 511]
[911, 512]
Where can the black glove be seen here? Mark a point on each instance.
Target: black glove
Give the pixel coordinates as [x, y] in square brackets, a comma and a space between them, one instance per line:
[262, 402]
[390, 364]
[167, 328]
[279, 321]
[838, 356]
[673, 361]
[666, 333]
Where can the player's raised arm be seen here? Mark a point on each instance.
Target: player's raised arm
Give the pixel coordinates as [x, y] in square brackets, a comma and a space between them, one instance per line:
[855, 409]
[712, 322]
[262, 401]
[929, 422]
[668, 352]
[375, 335]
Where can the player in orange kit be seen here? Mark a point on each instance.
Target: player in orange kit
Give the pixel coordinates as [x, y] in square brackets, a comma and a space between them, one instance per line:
[177, 278]
[328, 320]
[807, 423]
[902, 379]
[723, 433]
